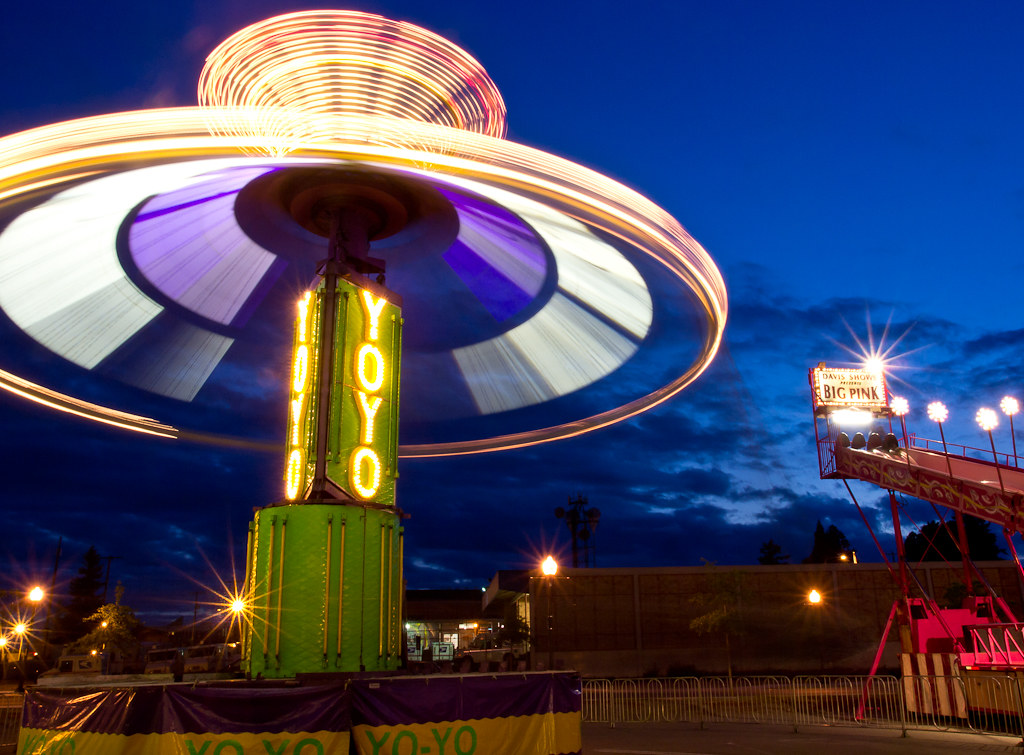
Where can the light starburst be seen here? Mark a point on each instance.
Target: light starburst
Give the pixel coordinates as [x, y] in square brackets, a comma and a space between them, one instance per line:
[878, 354]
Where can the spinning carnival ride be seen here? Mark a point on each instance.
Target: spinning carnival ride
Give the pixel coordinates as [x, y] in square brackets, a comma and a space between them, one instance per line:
[163, 247]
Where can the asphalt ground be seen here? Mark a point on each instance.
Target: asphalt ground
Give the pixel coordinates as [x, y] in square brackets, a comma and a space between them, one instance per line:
[760, 739]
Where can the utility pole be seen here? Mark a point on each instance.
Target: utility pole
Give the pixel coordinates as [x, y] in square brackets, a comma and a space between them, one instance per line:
[106, 579]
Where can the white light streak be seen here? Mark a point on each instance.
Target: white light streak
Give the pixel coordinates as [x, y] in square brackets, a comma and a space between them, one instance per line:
[445, 93]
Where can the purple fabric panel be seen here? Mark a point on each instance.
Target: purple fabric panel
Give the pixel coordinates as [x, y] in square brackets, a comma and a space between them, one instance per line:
[188, 709]
[252, 709]
[108, 711]
[412, 700]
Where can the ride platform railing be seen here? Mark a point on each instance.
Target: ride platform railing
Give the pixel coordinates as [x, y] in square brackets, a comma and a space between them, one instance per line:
[995, 645]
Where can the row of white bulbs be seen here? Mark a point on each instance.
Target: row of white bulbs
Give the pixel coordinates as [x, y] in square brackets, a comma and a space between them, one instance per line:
[937, 412]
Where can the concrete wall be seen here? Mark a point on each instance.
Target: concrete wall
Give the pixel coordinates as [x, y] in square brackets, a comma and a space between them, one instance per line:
[635, 622]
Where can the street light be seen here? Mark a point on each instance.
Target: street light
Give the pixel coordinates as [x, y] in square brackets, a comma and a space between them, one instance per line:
[938, 414]
[19, 629]
[549, 568]
[987, 420]
[900, 406]
[1010, 406]
[237, 608]
[36, 596]
[814, 599]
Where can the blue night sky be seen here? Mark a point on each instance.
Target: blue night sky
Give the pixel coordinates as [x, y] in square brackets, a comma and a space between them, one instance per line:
[852, 168]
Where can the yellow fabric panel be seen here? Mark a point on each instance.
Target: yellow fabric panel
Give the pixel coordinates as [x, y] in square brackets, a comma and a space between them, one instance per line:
[43, 741]
[541, 734]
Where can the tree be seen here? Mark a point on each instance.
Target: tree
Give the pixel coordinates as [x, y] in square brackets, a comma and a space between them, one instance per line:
[514, 630]
[84, 598]
[722, 608]
[829, 545]
[771, 554]
[939, 542]
[115, 628]
[957, 592]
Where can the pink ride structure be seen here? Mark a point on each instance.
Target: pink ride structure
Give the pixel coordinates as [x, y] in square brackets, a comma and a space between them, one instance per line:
[952, 650]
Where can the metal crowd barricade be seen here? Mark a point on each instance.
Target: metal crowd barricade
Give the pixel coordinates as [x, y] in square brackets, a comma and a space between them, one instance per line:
[10, 720]
[848, 700]
[880, 702]
[746, 699]
[990, 703]
[623, 700]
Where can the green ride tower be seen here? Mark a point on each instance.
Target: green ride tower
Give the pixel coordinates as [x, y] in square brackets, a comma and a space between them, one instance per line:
[324, 566]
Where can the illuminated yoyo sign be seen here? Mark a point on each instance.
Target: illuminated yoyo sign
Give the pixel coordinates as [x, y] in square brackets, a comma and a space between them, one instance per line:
[362, 416]
[849, 388]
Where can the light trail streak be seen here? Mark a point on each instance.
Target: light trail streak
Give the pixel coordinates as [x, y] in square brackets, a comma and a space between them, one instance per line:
[292, 73]
[153, 137]
[382, 95]
[64, 403]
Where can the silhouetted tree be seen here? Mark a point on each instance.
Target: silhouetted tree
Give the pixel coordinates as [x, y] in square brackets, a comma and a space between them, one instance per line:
[957, 591]
[771, 553]
[84, 598]
[829, 545]
[938, 542]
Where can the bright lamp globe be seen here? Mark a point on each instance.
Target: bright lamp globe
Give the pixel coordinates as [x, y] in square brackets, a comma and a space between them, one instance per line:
[937, 411]
[986, 418]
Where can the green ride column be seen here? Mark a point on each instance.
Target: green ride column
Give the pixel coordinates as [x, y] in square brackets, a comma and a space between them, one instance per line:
[325, 572]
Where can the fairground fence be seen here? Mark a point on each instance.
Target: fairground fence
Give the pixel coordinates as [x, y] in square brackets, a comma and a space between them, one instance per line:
[991, 705]
[10, 721]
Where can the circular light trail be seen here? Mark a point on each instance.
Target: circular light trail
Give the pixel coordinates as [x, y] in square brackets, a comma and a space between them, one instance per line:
[292, 74]
[459, 148]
